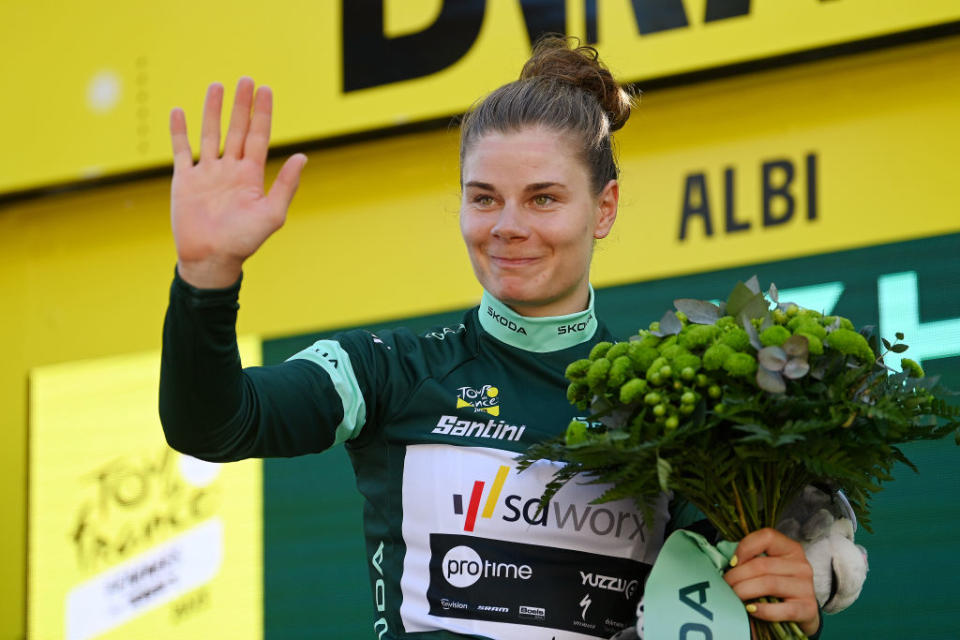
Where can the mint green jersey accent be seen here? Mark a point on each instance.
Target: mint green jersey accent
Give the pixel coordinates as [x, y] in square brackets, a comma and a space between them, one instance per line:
[336, 362]
[539, 335]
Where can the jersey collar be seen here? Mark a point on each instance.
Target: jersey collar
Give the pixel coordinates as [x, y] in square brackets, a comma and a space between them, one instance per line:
[539, 335]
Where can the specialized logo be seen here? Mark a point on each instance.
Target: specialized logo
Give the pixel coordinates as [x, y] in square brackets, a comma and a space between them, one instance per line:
[600, 521]
[485, 399]
[493, 429]
[463, 567]
[585, 603]
[505, 322]
[627, 587]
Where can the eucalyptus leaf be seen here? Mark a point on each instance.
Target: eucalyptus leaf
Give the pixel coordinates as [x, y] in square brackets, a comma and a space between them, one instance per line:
[770, 381]
[886, 343]
[738, 299]
[670, 324]
[753, 284]
[751, 332]
[698, 311]
[773, 293]
[796, 368]
[757, 307]
[898, 335]
[797, 346]
[773, 358]
[899, 348]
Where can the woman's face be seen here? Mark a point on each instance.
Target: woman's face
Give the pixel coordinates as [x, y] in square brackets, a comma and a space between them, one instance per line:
[529, 219]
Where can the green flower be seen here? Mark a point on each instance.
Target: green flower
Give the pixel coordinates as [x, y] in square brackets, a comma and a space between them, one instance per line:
[577, 370]
[600, 349]
[687, 361]
[715, 356]
[633, 390]
[851, 343]
[642, 356]
[697, 335]
[814, 344]
[577, 392]
[803, 324]
[735, 338]
[912, 368]
[619, 370]
[740, 364]
[576, 433]
[774, 336]
[597, 374]
[617, 350]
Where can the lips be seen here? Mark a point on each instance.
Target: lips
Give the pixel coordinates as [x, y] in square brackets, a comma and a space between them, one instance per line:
[509, 261]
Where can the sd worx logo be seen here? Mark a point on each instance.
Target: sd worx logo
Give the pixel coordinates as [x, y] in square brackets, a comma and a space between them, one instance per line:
[582, 519]
[485, 399]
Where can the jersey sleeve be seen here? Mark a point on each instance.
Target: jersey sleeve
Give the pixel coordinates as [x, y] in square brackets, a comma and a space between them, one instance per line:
[214, 409]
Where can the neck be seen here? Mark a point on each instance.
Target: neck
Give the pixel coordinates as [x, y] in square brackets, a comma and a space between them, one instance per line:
[537, 334]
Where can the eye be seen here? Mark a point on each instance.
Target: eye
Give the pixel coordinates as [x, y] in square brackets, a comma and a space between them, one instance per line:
[483, 200]
[543, 200]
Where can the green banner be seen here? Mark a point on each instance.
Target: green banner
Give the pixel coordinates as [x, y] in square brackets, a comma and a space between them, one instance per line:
[686, 595]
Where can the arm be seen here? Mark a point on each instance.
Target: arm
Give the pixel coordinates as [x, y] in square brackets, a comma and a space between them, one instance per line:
[213, 409]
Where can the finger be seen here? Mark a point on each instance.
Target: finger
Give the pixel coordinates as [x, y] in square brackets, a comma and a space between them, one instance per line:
[182, 156]
[286, 183]
[768, 565]
[210, 133]
[766, 541]
[239, 119]
[777, 586]
[800, 611]
[258, 138]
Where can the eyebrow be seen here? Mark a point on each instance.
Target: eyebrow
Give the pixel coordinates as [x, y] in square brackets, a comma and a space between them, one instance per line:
[536, 186]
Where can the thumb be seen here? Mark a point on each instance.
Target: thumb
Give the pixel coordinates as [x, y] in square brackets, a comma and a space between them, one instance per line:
[286, 182]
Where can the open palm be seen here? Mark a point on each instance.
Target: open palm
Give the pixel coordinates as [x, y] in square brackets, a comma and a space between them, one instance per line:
[220, 213]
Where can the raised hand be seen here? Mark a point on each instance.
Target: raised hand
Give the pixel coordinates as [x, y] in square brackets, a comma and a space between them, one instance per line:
[771, 564]
[219, 212]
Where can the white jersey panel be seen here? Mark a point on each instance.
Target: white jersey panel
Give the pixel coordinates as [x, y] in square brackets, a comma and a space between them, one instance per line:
[483, 557]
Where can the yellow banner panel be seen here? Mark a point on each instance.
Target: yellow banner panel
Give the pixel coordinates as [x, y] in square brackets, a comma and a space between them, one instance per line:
[840, 154]
[90, 85]
[128, 538]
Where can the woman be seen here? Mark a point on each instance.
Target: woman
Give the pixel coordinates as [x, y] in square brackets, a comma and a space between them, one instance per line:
[457, 542]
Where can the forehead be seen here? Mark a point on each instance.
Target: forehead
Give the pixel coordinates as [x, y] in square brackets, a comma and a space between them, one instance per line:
[531, 154]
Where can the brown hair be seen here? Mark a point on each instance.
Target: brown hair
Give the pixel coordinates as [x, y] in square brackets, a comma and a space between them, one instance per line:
[563, 87]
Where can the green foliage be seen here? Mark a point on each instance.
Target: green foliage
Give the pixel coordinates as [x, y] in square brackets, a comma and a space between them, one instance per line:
[695, 411]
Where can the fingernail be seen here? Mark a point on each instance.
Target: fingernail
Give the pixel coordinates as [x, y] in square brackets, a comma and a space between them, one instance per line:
[751, 608]
[733, 560]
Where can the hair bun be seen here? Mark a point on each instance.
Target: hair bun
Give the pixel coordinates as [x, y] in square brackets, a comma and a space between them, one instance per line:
[564, 59]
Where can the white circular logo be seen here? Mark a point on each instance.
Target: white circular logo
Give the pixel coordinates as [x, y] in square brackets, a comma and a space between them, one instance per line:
[462, 566]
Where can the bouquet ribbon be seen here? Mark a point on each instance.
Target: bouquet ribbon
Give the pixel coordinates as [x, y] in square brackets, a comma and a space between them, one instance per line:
[686, 596]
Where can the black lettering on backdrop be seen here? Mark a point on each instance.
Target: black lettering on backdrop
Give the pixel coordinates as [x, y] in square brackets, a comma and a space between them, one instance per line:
[371, 59]
[779, 190]
[689, 627]
[544, 16]
[695, 203]
[731, 224]
[779, 198]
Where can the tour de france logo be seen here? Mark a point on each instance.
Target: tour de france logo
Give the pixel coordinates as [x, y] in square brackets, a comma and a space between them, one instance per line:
[486, 399]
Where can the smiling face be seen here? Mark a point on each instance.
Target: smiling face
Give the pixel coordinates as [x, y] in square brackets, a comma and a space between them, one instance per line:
[529, 218]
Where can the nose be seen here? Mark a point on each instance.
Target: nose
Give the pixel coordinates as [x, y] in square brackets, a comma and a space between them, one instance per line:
[511, 224]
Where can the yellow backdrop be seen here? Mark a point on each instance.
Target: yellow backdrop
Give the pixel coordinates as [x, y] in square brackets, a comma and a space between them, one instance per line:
[373, 232]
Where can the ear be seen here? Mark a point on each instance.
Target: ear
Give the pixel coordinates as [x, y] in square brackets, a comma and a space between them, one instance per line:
[607, 209]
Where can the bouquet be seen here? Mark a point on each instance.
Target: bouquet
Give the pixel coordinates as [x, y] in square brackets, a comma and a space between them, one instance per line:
[736, 407]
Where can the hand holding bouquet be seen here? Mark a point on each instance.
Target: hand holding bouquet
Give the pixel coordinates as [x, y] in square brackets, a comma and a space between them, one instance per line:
[737, 407]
